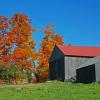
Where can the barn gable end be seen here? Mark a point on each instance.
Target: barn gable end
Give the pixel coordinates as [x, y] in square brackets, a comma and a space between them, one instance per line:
[56, 65]
[56, 54]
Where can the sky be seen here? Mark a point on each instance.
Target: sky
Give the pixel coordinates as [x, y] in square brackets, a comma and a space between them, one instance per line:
[78, 21]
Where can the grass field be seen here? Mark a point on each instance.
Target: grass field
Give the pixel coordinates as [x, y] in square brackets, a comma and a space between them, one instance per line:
[50, 91]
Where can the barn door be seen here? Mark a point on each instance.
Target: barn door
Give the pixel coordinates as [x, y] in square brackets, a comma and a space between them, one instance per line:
[86, 74]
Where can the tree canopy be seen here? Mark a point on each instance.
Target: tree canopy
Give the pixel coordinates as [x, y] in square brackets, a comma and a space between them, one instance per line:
[17, 47]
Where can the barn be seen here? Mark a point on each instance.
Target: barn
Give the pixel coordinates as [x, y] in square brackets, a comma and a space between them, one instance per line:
[66, 60]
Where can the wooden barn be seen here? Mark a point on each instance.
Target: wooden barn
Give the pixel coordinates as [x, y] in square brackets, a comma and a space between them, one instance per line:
[67, 59]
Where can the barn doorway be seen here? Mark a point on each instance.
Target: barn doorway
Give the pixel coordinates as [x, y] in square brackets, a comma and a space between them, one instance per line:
[86, 74]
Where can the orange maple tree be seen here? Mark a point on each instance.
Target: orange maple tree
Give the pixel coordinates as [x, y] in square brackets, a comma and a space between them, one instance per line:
[4, 39]
[24, 52]
[49, 41]
[16, 42]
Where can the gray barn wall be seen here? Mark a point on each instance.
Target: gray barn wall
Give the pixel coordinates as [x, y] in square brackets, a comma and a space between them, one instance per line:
[90, 62]
[96, 61]
[97, 71]
[71, 64]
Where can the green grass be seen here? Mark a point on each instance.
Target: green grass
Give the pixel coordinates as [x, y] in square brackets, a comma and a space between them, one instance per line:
[50, 91]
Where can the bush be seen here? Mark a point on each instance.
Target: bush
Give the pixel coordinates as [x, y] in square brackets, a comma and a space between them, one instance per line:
[29, 75]
[41, 74]
[11, 72]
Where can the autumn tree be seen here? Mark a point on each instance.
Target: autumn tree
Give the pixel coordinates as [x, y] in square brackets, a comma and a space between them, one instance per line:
[49, 41]
[5, 40]
[16, 42]
[24, 51]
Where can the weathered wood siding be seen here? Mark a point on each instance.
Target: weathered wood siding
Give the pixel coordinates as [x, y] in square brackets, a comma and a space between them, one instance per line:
[90, 62]
[57, 69]
[56, 54]
[97, 71]
[71, 64]
[56, 65]
[94, 61]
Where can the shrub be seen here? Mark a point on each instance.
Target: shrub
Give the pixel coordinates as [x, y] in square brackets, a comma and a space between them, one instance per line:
[11, 72]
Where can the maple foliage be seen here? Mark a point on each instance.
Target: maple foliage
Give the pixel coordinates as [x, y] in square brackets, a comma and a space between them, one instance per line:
[4, 39]
[49, 41]
[24, 52]
[16, 42]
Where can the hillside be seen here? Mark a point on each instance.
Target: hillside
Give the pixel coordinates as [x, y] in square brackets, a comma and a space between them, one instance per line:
[51, 91]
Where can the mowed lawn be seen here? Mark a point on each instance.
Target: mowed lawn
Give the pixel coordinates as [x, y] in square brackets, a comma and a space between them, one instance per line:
[51, 91]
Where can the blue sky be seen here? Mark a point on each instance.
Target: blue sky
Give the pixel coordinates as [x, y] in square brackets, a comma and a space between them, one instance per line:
[78, 21]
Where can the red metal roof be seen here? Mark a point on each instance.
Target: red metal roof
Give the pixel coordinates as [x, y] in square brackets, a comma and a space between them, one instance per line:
[69, 50]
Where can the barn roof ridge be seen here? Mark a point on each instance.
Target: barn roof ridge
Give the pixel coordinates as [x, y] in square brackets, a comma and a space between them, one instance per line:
[70, 45]
[71, 50]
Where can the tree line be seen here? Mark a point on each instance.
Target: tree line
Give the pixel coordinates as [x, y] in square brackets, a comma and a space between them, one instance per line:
[17, 49]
